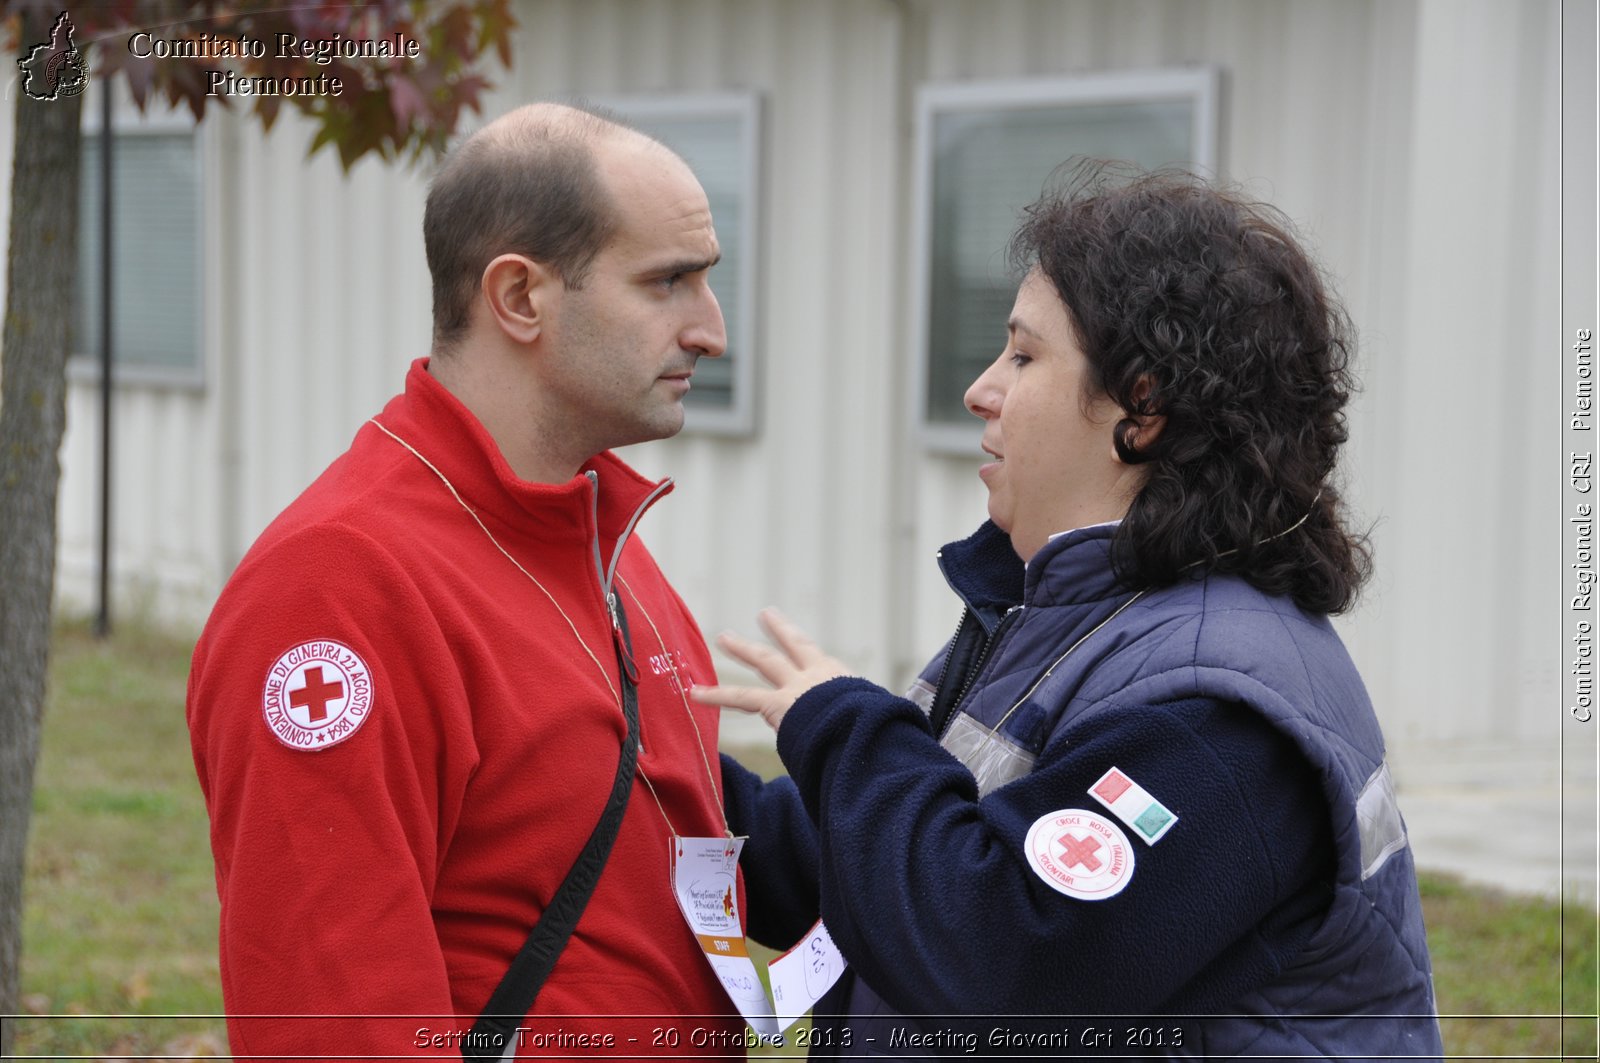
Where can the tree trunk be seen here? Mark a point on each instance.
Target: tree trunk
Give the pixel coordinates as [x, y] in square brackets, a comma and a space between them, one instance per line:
[41, 267]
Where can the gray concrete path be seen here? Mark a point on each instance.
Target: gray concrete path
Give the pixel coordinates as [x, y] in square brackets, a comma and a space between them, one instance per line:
[1514, 818]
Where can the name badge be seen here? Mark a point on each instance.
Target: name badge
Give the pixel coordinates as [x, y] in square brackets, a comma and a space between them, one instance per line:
[705, 881]
[801, 975]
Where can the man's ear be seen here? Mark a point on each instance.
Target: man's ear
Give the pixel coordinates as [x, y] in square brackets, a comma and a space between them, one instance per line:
[517, 292]
[1134, 437]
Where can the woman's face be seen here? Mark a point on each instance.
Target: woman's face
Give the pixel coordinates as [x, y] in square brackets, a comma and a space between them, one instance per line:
[1049, 431]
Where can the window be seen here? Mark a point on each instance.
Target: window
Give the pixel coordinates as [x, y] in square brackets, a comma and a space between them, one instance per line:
[985, 151]
[718, 136]
[156, 277]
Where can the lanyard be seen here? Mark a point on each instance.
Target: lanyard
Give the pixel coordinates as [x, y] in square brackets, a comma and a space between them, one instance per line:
[613, 607]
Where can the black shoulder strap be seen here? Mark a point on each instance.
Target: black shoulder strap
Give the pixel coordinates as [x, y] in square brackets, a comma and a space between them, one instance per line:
[513, 998]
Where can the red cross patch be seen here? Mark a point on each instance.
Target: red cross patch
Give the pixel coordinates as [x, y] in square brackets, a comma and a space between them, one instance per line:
[317, 694]
[1080, 853]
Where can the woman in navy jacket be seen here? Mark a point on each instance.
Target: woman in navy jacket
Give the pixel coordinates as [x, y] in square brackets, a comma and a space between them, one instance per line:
[1144, 778]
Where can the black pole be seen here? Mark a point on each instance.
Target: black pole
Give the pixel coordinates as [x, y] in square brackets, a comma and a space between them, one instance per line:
[102, 622]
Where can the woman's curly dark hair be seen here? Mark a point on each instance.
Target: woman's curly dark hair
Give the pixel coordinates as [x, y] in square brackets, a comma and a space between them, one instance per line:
[1197, 304]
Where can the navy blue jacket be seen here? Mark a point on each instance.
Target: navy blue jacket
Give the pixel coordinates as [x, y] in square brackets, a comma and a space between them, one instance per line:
[1283, 898]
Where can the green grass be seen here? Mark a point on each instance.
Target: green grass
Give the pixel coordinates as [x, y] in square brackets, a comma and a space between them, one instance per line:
[121, 908]
[120, 903]
[1511, 958]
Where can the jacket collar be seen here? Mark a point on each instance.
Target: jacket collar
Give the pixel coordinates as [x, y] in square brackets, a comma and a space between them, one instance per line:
[452, 439]
[1070, 569]
[1074, 569]
[985, 572]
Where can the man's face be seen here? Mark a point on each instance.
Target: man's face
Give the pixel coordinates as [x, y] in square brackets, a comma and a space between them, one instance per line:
[622, 347]
[1055, 467]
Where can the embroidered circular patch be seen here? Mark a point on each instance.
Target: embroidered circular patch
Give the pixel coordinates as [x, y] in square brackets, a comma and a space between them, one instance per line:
[1080, 854]
[317, 694]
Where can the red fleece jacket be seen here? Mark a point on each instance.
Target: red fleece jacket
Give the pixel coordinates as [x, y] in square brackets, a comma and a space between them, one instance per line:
[404, 742]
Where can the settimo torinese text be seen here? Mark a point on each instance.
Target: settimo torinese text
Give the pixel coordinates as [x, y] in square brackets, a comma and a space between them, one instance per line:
[144, 45]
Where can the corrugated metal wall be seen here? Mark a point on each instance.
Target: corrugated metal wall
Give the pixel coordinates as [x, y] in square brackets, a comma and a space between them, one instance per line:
[1414, 140]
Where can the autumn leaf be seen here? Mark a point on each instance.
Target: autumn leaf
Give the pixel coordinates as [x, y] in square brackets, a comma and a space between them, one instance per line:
[406, 101]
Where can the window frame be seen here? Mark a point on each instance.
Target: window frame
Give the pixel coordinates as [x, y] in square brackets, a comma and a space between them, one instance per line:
[738, 418]
[1200, 85]
[159, 119]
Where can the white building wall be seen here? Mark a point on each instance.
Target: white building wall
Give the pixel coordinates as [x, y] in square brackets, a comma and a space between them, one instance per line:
[1464, 462]
[1413, 140]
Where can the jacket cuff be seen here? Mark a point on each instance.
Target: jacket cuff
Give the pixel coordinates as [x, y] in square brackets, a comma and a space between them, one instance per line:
[811, 722]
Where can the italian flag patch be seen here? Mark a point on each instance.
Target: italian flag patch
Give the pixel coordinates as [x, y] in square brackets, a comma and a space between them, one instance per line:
[1132, 803]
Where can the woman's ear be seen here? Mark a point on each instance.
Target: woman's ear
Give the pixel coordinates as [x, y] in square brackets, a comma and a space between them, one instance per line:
[1135, 436]
[516, 290]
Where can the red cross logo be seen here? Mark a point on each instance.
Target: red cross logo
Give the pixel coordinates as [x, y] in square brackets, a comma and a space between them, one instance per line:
[1080, 851]
[316, 694]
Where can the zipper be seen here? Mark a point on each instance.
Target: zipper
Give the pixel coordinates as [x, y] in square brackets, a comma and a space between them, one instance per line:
[950, 650]
[607, 574]
[944, 710]
[983, 658]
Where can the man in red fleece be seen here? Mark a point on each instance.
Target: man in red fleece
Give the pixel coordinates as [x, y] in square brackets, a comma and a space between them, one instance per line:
[407, 707]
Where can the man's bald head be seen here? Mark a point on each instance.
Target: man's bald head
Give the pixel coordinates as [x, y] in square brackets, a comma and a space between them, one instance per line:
[528, 183]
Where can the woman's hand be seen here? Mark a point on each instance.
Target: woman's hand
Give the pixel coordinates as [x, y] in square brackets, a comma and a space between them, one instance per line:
[794, 667]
